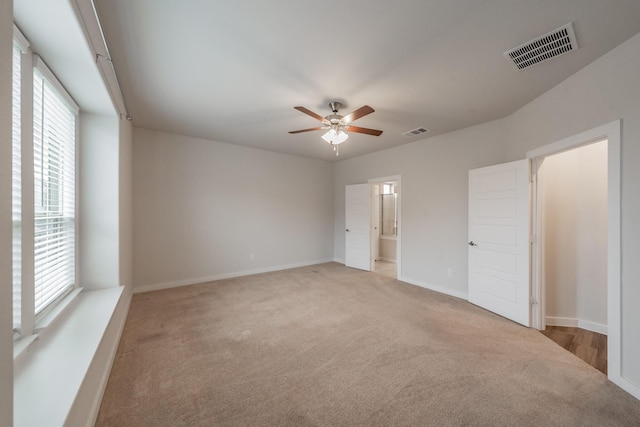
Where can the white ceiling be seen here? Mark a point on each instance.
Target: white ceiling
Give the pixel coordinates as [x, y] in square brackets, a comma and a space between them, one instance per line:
[232, 71]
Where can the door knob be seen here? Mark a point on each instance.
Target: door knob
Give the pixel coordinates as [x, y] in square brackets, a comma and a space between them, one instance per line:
[472, 243]
[348, 229]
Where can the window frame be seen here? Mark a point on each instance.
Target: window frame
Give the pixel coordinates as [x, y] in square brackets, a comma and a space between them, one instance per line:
[47, 74]
[21, 44]
[31, 323]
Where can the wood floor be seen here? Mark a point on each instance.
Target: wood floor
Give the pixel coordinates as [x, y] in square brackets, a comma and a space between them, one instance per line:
[588, 346]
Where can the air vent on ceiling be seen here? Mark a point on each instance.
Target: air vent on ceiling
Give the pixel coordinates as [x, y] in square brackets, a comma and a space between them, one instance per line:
[415, 132]
[550, 45]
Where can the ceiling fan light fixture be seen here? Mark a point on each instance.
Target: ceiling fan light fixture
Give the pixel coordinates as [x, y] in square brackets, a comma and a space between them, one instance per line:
[337, 124]
[335, 137]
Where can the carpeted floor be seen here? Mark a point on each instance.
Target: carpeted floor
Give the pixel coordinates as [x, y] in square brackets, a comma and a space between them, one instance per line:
[328, 345]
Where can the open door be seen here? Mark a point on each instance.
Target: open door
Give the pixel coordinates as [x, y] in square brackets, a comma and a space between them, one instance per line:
[357, 227]
[499, 239]
[375, 221]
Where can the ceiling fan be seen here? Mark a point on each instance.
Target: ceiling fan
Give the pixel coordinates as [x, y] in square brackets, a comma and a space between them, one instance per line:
[338, 125]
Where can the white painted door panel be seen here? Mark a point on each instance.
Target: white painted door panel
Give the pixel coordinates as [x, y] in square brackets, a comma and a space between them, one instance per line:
[357, 227]
[499, 239]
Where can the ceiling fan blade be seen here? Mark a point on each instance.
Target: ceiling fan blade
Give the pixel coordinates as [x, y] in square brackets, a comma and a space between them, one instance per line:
[305, 130]
[310, 113]
[364, 130]
[360, 112]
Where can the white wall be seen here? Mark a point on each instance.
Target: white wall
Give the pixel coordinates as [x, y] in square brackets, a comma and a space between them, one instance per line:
[604, 91]
[433, 200]
[105, 201]
[574, 184]
[6, 328]
[99, 201]
[201, 208]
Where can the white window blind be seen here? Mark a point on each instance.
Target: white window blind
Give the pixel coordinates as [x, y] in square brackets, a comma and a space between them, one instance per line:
[16, 189]
[54, 145]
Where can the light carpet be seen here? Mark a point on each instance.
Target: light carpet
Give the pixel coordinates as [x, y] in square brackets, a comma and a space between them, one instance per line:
[329, 345]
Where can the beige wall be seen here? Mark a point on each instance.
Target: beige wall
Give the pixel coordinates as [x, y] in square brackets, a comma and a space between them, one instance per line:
[574, 187]
[434, 178]
[387, 249]
[433, 200]
[201, 208]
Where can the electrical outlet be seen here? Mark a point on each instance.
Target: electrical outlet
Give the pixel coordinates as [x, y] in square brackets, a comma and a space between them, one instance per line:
[450, 272]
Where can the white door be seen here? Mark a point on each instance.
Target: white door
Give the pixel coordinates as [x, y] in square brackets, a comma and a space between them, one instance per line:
[375, 223]
[357, 222]
[499, 239]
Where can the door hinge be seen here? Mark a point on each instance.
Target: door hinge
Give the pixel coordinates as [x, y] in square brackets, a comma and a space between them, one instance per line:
[532, 177]
[533, 301]
[533, 238]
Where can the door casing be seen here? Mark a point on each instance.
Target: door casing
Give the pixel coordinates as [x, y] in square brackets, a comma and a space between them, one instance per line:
[612, 132]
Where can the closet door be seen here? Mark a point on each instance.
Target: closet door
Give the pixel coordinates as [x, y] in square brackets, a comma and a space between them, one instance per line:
[499, 239]
[357, 227]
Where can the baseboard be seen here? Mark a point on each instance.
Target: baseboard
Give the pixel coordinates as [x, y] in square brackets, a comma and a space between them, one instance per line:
[387, 259]
[440, 289]
[626, 385]
[212, 278]
[577, 323]
[339, 260]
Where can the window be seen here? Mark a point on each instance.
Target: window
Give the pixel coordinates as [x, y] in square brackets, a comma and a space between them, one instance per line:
[387, 188]
[54, 146]
[43, 173]
[389, 210]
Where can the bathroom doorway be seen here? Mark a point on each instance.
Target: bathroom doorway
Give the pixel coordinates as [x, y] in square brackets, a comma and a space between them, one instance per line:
[385, 221]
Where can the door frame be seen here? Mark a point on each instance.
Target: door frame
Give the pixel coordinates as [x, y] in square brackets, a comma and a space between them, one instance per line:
[611, 132]
[397, 178]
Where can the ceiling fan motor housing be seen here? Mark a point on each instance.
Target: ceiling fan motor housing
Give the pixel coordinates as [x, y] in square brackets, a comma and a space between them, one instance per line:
[335, 106]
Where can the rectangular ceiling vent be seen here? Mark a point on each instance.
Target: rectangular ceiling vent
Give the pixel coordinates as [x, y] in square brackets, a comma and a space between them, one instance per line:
[550, 45]
[414, 132]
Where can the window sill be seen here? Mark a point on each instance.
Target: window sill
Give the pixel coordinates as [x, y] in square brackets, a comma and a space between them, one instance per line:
[49, 318]
[22, 344]
[53, 366]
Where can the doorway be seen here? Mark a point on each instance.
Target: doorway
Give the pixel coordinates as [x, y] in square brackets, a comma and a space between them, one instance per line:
[534, 289]
[572, 200]
[385, 226]
[611, 133]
